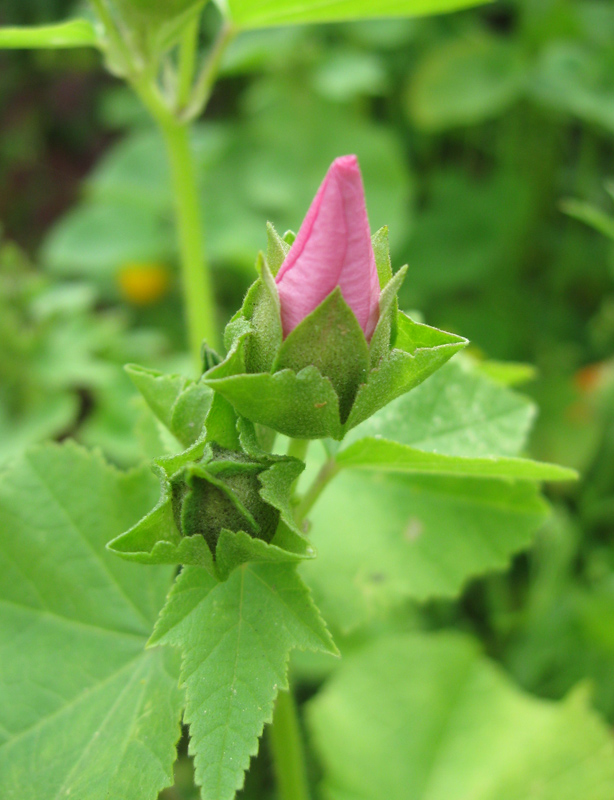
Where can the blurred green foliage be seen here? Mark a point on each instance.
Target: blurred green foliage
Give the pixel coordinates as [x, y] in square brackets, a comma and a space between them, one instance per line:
[475, 133]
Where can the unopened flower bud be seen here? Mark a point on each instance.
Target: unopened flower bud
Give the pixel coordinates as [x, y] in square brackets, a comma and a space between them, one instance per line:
[333, 248]
[222, 492]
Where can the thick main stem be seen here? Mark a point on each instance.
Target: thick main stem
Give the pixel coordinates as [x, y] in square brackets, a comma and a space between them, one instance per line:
[287, 749]
[196, 278]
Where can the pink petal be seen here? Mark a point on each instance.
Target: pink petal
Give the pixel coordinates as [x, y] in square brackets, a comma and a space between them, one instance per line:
[333, 248]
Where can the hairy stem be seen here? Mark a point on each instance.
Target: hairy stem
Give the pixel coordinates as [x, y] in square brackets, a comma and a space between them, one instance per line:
[287, 749]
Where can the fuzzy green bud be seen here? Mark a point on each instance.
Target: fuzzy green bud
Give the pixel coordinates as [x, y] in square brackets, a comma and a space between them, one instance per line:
[222, 492]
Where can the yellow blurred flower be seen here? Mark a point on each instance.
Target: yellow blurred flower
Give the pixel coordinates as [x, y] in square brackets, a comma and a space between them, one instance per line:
[143, 283]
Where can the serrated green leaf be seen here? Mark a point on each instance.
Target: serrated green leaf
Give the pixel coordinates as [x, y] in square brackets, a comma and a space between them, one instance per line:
[74, 33]
[305, 405]
[85, 710]
[388, 456]
[384, 538]
[426, 716]
[456, 423]
[235, 639]
[235, 549]
[264, 13]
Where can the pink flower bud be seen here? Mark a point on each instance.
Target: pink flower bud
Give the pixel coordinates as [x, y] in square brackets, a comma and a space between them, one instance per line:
[333, 248]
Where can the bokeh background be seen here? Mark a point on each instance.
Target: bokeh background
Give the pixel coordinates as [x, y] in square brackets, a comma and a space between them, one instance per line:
[486, 140]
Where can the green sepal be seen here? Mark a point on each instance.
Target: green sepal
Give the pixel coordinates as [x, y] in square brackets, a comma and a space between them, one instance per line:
[210, 503]
[304, 404]
[324, 378]
[277, 249]
[381, 251]
[262, 310]
[235, 329]
[419, 351]
[221, 424]
[209, 357]
[331, 340]
[180, 404]
[155, 540]
[386, 329]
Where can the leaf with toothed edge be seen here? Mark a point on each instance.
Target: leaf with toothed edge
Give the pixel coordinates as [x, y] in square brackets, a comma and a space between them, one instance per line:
[235, 639]
[85, 710]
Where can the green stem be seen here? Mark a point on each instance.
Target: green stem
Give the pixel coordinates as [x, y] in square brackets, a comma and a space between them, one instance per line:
[298, 448]
[206, 79]
[287, 749]
[196, 278]
[188, 52]
[323, 478]
[119, 46]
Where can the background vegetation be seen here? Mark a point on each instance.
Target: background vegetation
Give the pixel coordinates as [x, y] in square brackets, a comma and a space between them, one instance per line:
[486, 140]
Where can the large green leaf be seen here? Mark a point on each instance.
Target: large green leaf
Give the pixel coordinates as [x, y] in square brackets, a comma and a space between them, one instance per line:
[457, 423]
[49, 418]
[235, 638]
[262, 13]
[85, 710]
[383, 539]
[426, 717]
[389, 456]
[75, 33]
